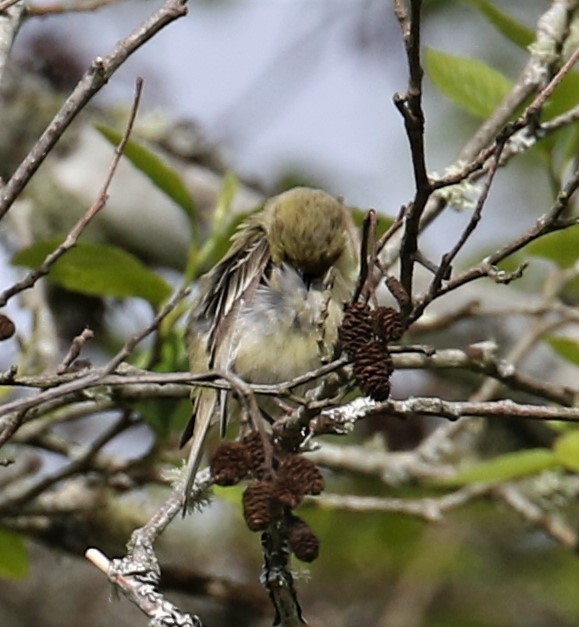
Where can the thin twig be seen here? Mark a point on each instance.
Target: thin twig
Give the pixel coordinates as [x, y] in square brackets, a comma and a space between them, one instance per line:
[137, 574]
[96, 77]
[364, 254]
[79, 463]
[81, 224]
[410, 106]
[80, 6]
[528, 116]
[136, 339]
[10, 19]
[447, 259]
[561, 532]
[552, 30]
[547, 223]
[430, 509]
[551, 33]
[75, 350]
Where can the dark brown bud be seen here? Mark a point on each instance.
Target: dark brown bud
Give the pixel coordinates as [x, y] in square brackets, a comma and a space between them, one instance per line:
[372, 369]
[258, 505]
[302, 541]
[389, 324]
[398, 291]
[230, 463]
[356, 328]
[7, 327]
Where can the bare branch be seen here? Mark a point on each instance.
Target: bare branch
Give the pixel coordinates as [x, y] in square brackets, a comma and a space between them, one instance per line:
[429, 509]
[447, 259]
[564, 534]
[80, 6]
[75, 349]
[453, 410]
[138, 579]
[552, 30]
[410, 106]
[96, 77]
[547, 223]
[10, 19]
[84, 221]
[137, 574]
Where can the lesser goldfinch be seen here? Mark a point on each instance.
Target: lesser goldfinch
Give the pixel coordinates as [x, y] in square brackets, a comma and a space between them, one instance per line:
[270, 309]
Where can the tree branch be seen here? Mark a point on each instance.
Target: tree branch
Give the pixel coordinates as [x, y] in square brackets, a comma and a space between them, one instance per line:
[76, 231]
[96, 77]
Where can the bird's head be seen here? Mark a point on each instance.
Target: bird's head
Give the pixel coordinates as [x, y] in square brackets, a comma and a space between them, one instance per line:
[308, 229]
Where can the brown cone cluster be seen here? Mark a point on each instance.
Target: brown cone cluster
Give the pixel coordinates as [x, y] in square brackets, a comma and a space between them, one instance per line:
[365, 334]
[274, 489]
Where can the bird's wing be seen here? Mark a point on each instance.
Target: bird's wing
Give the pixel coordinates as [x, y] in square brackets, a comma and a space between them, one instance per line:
[228, 285]
[224, 291]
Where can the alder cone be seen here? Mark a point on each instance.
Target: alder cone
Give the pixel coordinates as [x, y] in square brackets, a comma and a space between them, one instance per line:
[287, 494]
[356, 328]
[230, 463]
[254, 444]
[258, 505]
[389, 324]
[372, 369]
[7, 328]
[302, 541]
[299, 471]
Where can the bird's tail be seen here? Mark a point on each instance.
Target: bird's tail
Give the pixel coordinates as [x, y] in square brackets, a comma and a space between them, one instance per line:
[201, 421]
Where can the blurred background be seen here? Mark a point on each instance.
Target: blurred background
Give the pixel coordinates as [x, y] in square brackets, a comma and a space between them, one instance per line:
[301, 90]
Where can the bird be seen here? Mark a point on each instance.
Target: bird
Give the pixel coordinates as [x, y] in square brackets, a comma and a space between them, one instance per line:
[270, 309]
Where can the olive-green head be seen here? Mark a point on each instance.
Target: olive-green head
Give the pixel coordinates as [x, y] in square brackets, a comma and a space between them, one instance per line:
[306, 228]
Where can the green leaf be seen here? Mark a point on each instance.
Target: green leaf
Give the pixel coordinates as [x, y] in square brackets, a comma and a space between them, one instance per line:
[566, 449]
[98, 270]
[504, 468]
[220, 243]
[153, 167]
[561, 247]
[570, 140]
[506, 24]
[565, 347]
[226, 196]
[13, 555]
[471, 84]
